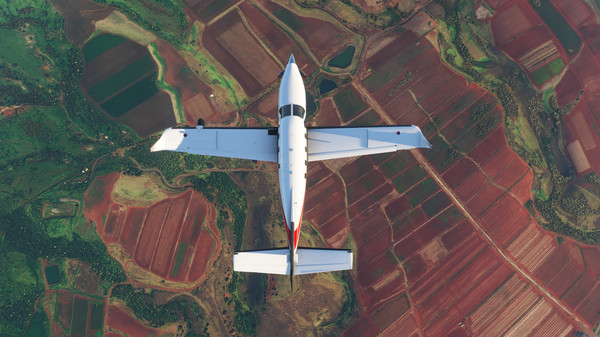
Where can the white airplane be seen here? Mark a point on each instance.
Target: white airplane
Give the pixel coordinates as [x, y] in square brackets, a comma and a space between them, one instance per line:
[292, 145]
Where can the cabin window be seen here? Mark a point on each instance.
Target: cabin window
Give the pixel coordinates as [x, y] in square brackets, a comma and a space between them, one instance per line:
[285, 111]
[298, 111]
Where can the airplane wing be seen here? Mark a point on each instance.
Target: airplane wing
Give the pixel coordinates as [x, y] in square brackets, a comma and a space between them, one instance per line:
[340, 142]
[242, 143]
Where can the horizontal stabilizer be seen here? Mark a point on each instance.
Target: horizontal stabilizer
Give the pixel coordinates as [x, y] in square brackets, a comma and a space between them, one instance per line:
[277, 261]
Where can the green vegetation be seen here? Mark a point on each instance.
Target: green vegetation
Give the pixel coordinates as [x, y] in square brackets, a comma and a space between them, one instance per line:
[122, 79]
[39, 325]
[349, 103]
[343, 59]
[289, 18]
[559, 26]
[422, 191]
[131, 97]
[178, 259]
[80, 315]
[164, 18]
[96, 316]
[101, 44]
[548, 71]
[368, 118]
[143, 306]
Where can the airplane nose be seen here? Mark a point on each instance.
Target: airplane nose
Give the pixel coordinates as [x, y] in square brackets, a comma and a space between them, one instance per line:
[292, 60]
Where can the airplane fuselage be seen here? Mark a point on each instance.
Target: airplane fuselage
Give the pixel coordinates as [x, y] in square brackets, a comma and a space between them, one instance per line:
[292, 153]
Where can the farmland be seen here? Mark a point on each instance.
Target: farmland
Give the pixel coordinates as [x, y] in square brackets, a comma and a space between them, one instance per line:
[102, 237]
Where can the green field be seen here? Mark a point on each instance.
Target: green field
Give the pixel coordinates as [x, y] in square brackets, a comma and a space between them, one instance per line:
[122, 79]
[548, 71]
[96, 316]
[101, 44]
[131, 97]
[559, 26]
[343, 59]
[289, 18]
[368, 118]
[178, 259]
[38, 326]
[80, 315]
[392, 68]
[349, 103]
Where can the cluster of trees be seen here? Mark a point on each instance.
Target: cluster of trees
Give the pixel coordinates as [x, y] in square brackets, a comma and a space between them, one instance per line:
[451, 154]
[484, 127]
[143, 305]
[577, 204]
[479, 111]
[407, 79]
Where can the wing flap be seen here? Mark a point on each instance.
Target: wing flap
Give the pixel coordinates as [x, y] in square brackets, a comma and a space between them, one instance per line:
[340, 142]
[242, 143]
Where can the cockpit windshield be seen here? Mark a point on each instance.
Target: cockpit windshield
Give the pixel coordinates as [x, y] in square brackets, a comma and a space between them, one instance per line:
[288, 110]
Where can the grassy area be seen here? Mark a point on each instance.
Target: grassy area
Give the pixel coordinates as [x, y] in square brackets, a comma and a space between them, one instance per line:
[101, 44]
[349, 103]
[178, 259]
[131, 97]
[289, 18]
[175, 96]
[39, 325]
[119, 81]
[548, 71]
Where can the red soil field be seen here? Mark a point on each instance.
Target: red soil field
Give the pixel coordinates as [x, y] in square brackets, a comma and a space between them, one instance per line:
[484, 198]
[229, 41]
[576, 12]
[489, 146]
[390, 311]
[591, 34]
[368, 224]
[97, 198]
[513, 20]
[497, 4]
[568, 89]
[120, 321]
[194, 94]
[414, 116]
[429, 231]
[403, 327]
[402, 42]
[168, 238]
[454, 262]
[426, 85]
[522, 189]
[457, 173]
[362, 186]
[452, 238]
[356, 169]
[64, 307]
[508, 230]
[327, 115]
[513, 172]
[205, 248]
[316, 33]
[527, 41]
[364, 327]
[415, 267]
[397, 207]
[103, 66]
[555, 324]
[499, 162]
[133, 226]
[380, 194]
[275, 39]
[435, 305]
[379, 268]
[335, 231]
[472, 185]
[111, 219]
[585, 67]
[583, 123]
[401, 103]
[322, 210]
[146, 245]
[444, 93]
[372, 297]
[267, 107]
[375, 244]
[407, 223]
